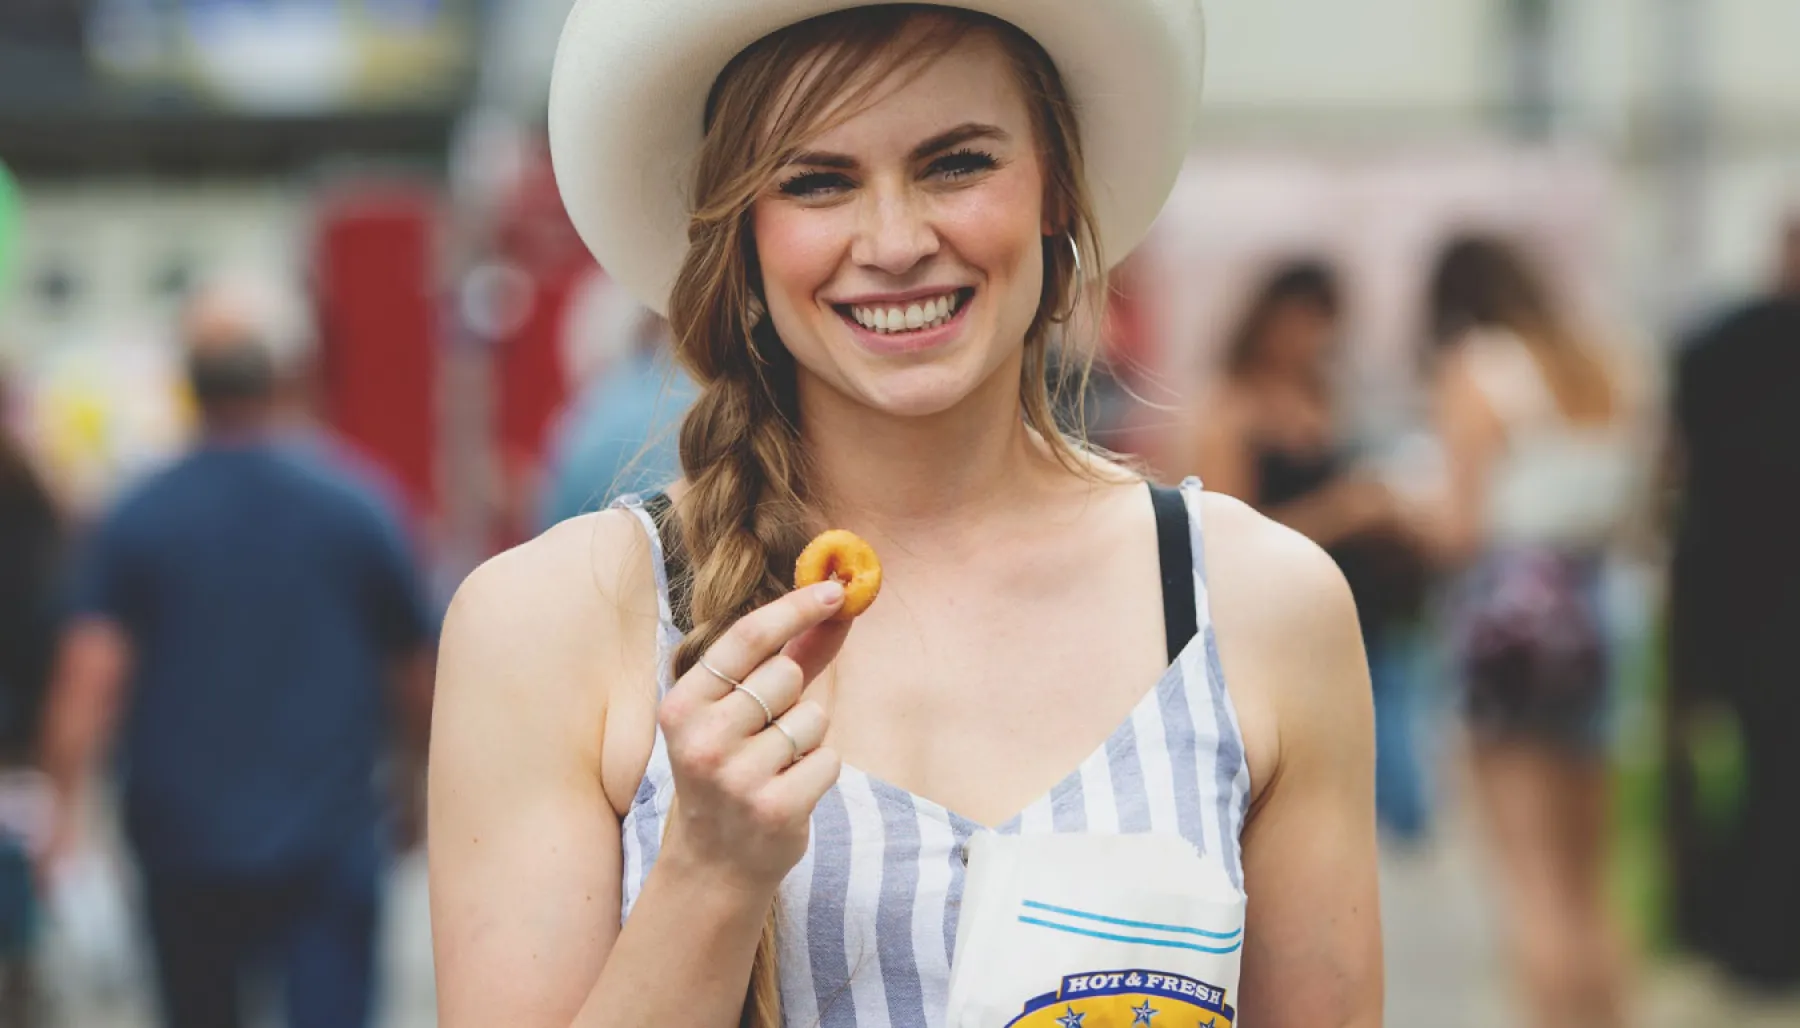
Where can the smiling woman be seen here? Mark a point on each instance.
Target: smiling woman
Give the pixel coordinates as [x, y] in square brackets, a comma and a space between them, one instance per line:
[881, 215]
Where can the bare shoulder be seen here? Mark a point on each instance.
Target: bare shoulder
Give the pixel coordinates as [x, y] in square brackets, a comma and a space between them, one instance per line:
[581, 567]
[532, 633]
[1288, 635]
[1269, 581]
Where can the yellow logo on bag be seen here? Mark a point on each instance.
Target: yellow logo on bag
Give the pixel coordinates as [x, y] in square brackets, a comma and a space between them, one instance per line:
[1128, 999]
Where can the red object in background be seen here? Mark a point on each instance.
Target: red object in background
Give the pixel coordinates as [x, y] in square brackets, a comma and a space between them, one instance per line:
[376, 280]
[529, 381]
[533, 233]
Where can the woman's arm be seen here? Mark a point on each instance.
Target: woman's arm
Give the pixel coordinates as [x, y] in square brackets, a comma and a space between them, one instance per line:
[525, 840]
[1221, 447]
[1293, 656]
[1349, 505]
[1472, 435]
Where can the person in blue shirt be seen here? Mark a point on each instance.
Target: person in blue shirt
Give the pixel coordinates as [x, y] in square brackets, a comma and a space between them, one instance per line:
[620, 435]
[248, 633]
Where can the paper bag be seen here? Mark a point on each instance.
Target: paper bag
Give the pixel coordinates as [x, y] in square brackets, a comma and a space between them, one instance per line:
[1095, 931]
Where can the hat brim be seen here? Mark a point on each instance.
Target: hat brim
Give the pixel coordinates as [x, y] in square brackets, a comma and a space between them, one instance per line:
[631, 79]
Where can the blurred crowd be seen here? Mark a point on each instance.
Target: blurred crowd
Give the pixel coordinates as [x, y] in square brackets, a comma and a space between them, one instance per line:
[228, 528]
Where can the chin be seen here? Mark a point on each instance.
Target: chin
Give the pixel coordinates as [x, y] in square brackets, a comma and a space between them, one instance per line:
[916, 392]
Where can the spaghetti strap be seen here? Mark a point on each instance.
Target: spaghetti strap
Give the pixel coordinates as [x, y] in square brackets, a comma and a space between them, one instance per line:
[1174, 546]
[652, 514]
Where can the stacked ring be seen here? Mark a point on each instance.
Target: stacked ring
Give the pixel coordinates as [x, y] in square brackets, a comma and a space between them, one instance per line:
[768, 715]
[720, 675]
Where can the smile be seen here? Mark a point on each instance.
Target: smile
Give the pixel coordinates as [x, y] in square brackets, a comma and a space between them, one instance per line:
[912, 316]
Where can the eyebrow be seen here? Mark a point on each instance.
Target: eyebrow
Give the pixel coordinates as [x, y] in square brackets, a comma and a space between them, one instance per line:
[964, 133]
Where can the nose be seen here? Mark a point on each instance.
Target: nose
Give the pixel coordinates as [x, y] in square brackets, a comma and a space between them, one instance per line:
[892, 234]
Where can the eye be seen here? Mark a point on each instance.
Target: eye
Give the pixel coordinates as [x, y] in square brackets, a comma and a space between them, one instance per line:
[815, 185]
[962, 164]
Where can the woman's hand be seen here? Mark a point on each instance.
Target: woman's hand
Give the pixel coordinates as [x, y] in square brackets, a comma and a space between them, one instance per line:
[746, 785]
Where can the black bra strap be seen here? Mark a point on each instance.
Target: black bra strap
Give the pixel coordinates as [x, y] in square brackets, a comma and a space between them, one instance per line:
[675, 562]
[1175, 550]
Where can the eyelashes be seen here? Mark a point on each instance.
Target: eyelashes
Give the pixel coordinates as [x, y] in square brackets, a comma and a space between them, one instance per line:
[814, 183]
[963, 163]
[951, 167]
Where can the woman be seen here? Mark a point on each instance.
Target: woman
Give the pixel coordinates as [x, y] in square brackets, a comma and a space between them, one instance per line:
[1535, 428]
[30, 548]
[1271, 435]
[613, 825]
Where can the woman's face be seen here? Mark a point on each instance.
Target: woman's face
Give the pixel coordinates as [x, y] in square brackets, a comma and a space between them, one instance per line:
[1298, 335]
[901, 253]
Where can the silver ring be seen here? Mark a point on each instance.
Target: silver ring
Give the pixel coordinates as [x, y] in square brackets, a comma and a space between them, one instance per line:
[789, 736]
[720, 675]
[768, 715]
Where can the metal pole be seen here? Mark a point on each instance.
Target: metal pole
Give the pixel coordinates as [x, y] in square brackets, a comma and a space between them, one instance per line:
[1532, 56]
[1681, 153]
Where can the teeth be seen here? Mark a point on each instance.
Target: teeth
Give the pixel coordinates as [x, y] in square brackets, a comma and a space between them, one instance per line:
[926, 314]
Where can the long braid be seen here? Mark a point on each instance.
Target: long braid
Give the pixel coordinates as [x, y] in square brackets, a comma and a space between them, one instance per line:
[743, 518]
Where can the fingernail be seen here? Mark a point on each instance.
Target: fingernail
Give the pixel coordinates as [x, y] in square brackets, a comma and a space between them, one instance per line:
[830, 593]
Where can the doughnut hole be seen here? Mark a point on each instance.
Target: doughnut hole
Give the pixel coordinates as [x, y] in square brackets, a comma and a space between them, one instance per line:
[841, 556]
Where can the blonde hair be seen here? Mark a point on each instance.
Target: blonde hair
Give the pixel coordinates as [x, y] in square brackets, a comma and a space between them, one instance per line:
[745, 516]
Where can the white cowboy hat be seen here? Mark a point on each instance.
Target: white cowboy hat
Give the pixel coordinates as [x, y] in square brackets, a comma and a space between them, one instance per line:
[628, 97]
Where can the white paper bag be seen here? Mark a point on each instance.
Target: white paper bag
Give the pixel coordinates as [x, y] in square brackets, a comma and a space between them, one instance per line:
[1095, 931]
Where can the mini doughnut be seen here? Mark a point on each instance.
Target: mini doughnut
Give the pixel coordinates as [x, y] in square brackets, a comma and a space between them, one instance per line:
[844, 556]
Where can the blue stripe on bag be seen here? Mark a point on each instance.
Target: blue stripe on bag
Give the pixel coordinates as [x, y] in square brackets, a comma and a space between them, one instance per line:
[1166, 943]
[1178, 929]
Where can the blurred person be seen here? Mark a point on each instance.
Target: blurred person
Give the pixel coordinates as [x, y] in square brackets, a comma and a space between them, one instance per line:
[247, 626]
[1734, 613]
[1535, 425]
[640, 814]
[619, 436]
[1271, 435]
[30, 550]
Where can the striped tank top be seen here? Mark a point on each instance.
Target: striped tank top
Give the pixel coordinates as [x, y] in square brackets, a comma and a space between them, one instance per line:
[867, 920]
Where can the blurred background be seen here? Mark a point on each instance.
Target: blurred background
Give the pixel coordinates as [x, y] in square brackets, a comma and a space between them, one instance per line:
[366, 181]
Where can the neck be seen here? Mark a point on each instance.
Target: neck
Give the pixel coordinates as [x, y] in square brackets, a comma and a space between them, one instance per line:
[887, 472]
[232, 425]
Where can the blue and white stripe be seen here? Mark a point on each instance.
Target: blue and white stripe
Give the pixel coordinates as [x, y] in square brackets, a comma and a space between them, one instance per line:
[868, 917]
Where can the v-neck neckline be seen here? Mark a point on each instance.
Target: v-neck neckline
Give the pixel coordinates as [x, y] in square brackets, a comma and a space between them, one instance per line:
[1170, 677]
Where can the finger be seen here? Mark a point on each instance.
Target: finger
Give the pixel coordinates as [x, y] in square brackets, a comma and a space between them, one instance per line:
[762, 633]
[771, 752]
[815, 648]
[806, 782]
[778, 684]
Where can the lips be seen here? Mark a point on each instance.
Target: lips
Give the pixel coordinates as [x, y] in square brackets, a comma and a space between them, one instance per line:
[908, 326]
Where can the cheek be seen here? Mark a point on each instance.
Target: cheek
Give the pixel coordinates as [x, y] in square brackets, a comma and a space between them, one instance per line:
[798, 251]
[998, 229]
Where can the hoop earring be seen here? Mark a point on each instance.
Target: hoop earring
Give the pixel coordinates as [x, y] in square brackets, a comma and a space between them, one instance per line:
[1075, 249]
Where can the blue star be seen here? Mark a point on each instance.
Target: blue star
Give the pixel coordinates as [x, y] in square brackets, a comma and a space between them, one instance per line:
[1143, 1014]
[1211, 1022]
[1071, 1019]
